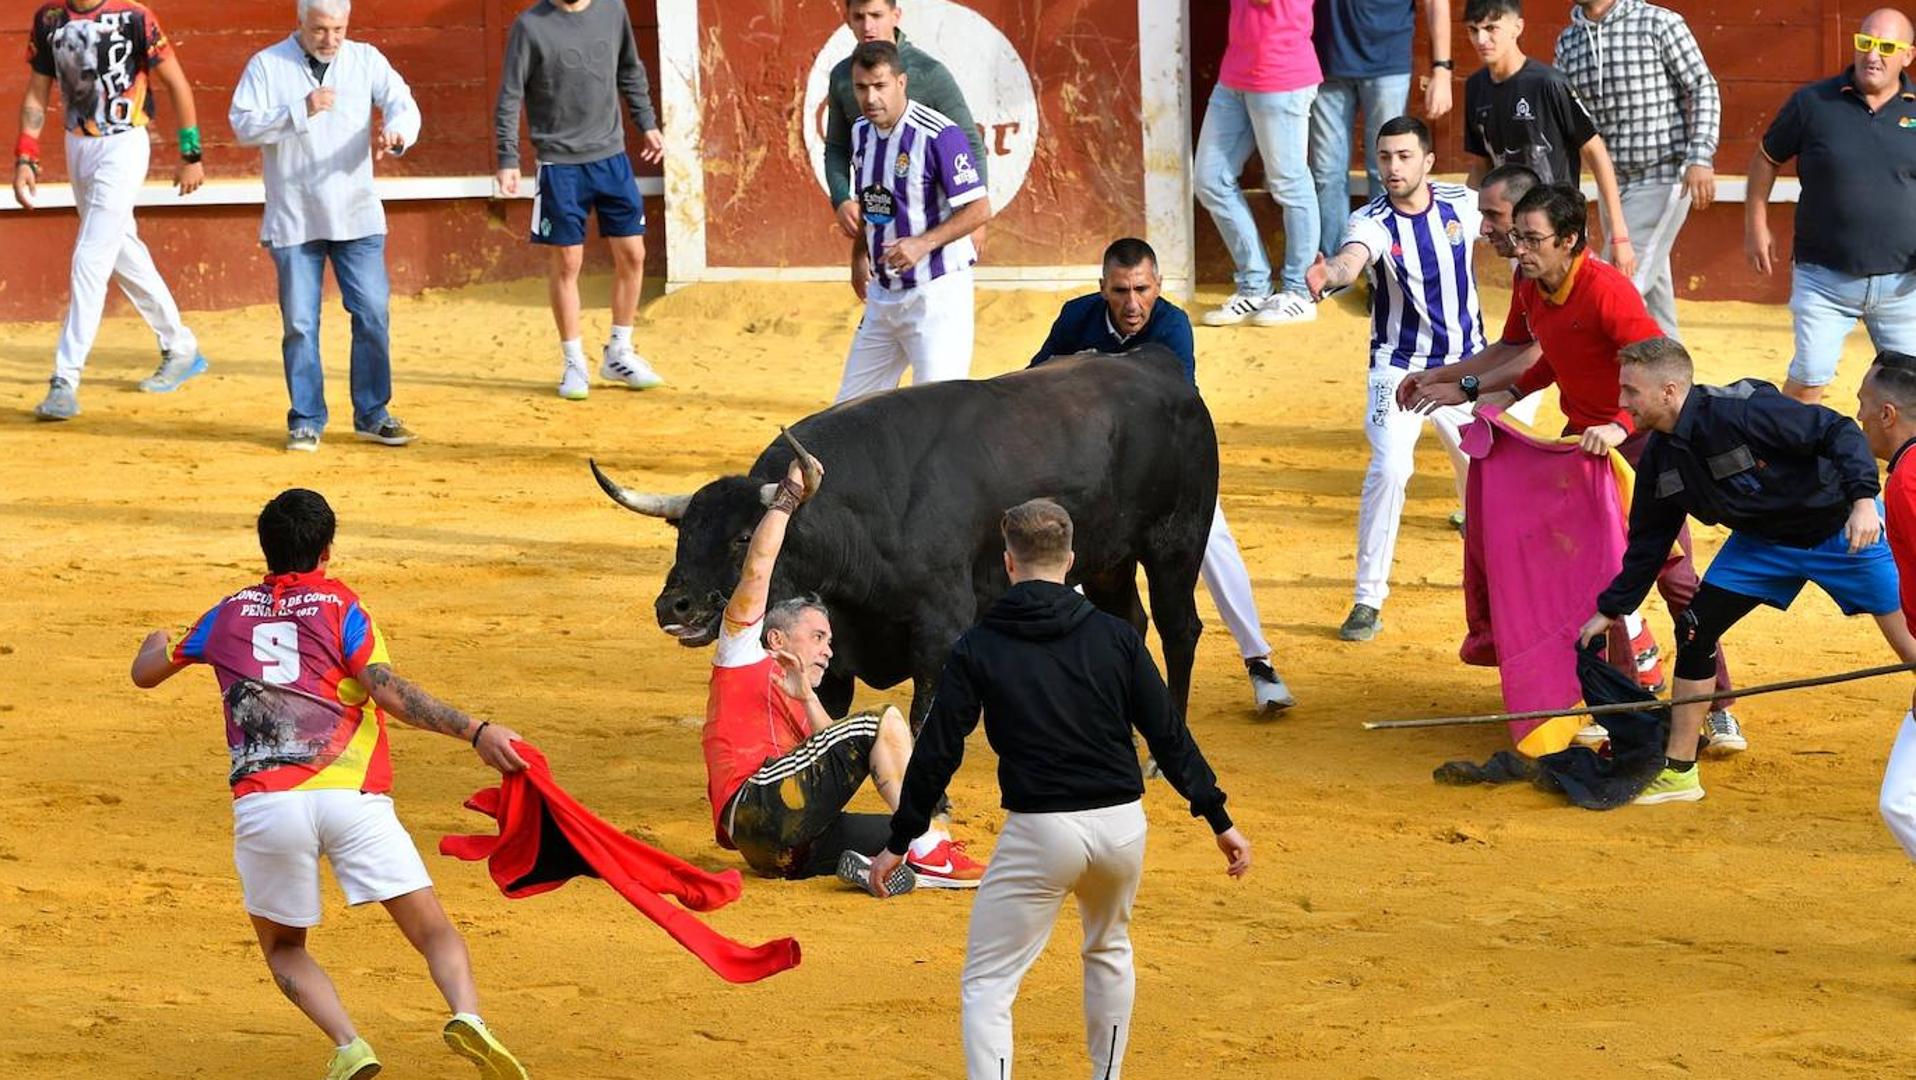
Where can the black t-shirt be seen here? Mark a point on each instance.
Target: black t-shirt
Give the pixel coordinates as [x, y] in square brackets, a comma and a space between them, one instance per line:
[1857, 212]
[1532, 118]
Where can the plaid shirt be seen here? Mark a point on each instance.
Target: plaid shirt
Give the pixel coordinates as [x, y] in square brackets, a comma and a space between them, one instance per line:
[1643, 77]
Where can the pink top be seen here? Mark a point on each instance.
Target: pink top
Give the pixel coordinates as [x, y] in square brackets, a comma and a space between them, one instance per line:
[1270, 48]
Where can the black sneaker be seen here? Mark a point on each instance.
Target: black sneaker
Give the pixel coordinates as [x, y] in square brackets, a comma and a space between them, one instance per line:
[1361, 624]
[855, 870]
[390, 432]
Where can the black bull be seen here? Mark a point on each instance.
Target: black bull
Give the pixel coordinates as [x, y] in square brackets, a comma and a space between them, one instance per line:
[901, 542]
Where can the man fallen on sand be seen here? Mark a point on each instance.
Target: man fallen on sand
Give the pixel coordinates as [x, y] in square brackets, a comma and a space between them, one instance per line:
[307, 683]
[779, 770]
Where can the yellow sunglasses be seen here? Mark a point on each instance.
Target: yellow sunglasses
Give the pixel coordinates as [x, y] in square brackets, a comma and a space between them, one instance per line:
[1886, 46]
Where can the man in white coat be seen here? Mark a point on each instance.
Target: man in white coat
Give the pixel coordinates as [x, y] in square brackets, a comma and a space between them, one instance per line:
[308, 102]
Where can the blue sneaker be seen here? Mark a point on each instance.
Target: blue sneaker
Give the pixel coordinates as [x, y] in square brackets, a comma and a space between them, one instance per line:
[172, 372]
[61, 403]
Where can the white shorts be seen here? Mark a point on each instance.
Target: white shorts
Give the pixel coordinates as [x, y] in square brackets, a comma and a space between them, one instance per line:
[278, 837]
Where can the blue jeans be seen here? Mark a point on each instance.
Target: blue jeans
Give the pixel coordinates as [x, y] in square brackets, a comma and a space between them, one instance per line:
[1332, 116]
[360, 268]
[1277, 126]
[1824, 306]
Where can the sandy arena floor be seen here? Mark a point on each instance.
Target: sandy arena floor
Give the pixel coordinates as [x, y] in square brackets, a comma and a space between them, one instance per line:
[1392, 928]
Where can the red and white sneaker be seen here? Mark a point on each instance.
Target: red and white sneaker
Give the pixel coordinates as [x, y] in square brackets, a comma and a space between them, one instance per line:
[946, 867]
[1649, 661]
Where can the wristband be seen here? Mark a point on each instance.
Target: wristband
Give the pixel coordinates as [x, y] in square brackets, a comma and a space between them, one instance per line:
[788, 497]
[481, 730]
[27, 148]
[190, 143]
[29, 163]
[1616, 240]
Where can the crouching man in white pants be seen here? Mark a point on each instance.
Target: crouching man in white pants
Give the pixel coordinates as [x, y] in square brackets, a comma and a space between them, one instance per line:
[1061, 685]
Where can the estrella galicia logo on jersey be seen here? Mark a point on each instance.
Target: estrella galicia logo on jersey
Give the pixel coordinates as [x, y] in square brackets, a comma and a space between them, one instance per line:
[962, 170]
[1906, 122]
[902, 166]
[1523, 110]
[1454, 232]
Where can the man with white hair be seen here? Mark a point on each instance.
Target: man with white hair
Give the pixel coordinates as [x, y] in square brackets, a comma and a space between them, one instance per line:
[107, 54]
[308, 102]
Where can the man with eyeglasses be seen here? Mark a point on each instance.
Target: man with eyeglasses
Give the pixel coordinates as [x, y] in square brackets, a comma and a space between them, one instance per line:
[1581, 312]
[1854, 140]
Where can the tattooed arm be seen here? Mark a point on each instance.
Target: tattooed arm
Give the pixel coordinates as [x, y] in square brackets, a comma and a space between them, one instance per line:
[411, 704]
[33, 117]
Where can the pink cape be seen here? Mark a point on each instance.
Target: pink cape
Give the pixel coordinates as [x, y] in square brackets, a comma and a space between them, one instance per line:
[546, 838]
[1546, 526]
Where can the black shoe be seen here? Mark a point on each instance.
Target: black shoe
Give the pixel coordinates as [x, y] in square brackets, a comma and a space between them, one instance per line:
[1361, 624]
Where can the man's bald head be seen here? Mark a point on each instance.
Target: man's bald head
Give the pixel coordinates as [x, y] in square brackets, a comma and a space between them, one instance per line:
[1877, 75]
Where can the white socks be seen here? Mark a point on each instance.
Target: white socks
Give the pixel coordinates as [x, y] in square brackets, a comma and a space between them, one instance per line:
[621, 337]
[923, 845]
[1632, 625]
[574, 351]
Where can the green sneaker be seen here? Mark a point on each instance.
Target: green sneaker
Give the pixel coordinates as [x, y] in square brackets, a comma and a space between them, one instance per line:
[1673, 786]
[1361, 624]
[354, 1061]
[469, 1037]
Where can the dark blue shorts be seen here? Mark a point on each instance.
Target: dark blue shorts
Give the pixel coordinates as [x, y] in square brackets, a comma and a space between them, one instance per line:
[1865, 582]
[567, 193]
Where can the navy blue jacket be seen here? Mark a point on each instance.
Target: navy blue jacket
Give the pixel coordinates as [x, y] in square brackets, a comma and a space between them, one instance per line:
[1085, 323]
[1745, 456]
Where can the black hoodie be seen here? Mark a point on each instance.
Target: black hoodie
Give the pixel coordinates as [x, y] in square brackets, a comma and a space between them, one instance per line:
[1061, 685]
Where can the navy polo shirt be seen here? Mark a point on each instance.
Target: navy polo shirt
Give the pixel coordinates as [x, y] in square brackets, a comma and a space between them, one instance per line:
[1363, 39]
[1857, 213]
[1085, 323]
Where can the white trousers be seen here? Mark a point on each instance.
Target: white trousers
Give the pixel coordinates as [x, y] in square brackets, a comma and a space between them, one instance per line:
[1898, 801]
[107, 173]
[1229, 582]
[927, 329]
[1393, 435]
[1097, 855]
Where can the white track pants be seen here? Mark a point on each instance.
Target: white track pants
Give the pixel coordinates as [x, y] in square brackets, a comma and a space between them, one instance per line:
[1229, 582]
[927, 328]
[1097, 855]
[1393, 435]
[107, 172]
[1898, 802]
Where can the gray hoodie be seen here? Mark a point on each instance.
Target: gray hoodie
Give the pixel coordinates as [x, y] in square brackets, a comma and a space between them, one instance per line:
[570, 69]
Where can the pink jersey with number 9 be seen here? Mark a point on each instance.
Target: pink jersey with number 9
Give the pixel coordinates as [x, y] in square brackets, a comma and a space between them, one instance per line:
[288, 653]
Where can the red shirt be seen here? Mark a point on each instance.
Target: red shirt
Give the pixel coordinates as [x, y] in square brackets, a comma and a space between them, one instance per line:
[749, 718]
[1899, 505]
[1582, 326]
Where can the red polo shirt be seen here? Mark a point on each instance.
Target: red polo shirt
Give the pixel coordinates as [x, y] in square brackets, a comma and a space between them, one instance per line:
[1899, 510]
[1582, 326]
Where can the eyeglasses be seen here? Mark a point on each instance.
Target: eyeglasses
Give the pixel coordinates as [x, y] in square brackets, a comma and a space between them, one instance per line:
[1530, 241]
[1886, 46]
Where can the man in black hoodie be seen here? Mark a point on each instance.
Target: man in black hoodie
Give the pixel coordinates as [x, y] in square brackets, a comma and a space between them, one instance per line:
[1062, 685]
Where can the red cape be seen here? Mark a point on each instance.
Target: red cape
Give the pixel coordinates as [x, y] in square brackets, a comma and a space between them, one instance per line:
[546, 838]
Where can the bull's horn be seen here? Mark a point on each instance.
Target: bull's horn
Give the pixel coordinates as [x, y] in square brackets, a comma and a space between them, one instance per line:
[806, 462]
[669, 507]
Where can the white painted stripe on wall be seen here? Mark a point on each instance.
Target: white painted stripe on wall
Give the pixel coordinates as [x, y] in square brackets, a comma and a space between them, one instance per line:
[253, 192]
[1164, 71]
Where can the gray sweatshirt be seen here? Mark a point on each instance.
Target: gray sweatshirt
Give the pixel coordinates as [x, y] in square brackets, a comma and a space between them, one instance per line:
[570, 68]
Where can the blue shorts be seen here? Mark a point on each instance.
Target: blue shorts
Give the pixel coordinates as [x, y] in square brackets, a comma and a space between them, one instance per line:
[567, 193]
[1865, 582]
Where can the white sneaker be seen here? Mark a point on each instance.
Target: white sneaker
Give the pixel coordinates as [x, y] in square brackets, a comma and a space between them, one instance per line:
[1238, 308]
[623, 365]
[1722, 735]
[1592, 736]
[574, 385]
[1283, 308]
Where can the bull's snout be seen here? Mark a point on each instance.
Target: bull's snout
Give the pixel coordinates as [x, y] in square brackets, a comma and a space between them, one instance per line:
[693, 620]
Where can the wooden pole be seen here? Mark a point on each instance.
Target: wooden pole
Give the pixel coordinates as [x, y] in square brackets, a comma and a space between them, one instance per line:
[1636, 706]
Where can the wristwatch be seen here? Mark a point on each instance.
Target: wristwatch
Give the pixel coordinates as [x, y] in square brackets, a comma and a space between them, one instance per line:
[1469, 385]
[1447, 65]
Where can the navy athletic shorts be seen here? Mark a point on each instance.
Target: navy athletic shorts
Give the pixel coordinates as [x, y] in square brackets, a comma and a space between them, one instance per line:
[567, 193]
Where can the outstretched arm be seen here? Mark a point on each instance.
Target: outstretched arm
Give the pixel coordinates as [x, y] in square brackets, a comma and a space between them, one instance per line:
[747, 605]
[409, 702]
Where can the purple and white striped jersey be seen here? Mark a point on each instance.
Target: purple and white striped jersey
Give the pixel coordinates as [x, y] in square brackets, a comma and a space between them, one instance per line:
[909, 180]
[1424, 311]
